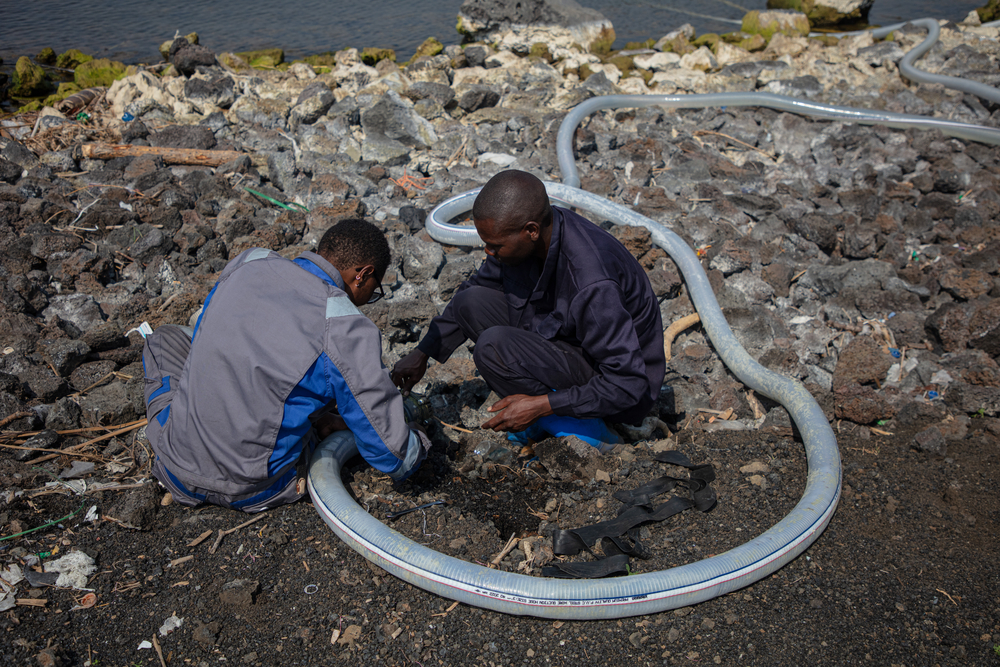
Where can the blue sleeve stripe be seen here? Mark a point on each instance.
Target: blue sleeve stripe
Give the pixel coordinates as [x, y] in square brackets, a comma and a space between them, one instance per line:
[310, 394]
[179, 484]
[164, 388]
[270, 491]
[370, 444]
[204, 307]
[162, 415]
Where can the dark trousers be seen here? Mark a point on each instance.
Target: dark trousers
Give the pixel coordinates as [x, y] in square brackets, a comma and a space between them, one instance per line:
[511, 360]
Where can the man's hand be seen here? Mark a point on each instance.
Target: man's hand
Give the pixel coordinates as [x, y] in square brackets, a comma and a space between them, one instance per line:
[327, 423]
[517, 412]
[409, 370]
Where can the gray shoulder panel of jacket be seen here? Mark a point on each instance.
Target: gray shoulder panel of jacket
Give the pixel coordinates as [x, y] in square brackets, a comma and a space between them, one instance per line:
[340, 306]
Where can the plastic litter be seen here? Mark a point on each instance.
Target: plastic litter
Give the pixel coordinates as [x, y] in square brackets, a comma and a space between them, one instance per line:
[171, 624]
[144, 330]
[74, 568]
[941, 378]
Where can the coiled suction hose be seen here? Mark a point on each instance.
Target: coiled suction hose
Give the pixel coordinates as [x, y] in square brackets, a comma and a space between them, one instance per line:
[656, 591]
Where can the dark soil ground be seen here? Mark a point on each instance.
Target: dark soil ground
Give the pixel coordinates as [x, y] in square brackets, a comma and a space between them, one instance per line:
[906, 573]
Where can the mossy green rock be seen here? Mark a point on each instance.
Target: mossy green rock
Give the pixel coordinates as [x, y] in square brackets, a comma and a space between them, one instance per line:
[541, 50]
[34, 105]
[72, 59]
[709, 39]
[623, 63]
[602, 44]
[753, 43]
[232, 61]
[991, 12]
[66, 88]
[830, 40]
[430, 48]
[678, 44]
[635, 46]
[192, 38]
[264, 58]
[820, 14]
[100, 72]
[792, 24]
[372, 55]
[30, 80]
[327, 60]
[46, 57]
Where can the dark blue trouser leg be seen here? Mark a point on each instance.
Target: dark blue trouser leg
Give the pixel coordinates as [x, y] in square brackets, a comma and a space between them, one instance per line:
[512, 360]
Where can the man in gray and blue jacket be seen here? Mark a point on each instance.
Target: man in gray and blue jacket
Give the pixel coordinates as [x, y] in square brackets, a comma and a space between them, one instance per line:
[236, 405]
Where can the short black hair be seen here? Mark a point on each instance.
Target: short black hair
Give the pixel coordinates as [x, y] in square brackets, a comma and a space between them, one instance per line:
[512, 198]
[355, 242]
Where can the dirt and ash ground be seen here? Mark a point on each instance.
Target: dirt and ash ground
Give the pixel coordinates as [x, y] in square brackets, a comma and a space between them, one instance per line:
[906, 573]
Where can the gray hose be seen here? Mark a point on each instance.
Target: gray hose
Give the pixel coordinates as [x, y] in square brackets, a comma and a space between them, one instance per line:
[564, 141]
[628, 596]
[907, 68]
[656, 591]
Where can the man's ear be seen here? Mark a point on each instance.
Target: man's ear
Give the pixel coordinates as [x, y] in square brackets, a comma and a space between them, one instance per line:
[533, 229]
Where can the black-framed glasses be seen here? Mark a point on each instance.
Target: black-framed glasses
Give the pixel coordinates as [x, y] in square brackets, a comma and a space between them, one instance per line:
[378, 294]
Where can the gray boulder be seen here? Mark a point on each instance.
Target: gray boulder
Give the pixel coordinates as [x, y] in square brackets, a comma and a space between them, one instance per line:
[215, 92]
[394, 118]
[78, 309]
[312, 103]
[423, 259]
[385, 151]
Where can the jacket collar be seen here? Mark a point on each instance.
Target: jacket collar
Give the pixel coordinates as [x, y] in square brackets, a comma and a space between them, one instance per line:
[552, 256]
[319, 267]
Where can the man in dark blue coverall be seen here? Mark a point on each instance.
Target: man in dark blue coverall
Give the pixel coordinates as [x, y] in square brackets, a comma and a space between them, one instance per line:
[564, 320]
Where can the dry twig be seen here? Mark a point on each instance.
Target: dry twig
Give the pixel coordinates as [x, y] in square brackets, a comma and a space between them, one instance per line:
[222, 533]
[76, 448]
[506, 550]
[453, 427]
[699, 133]
[14, 417]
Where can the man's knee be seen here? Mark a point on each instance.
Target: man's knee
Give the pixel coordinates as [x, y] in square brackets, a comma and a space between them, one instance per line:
[491, 349]
[477, 309]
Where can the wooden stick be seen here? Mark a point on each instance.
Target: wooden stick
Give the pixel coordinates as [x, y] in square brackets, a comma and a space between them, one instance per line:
[223, 533]
[452, 426]
[14, 417]
[159, 651]
[506, 550]
[674, 329]
[700, 133]
[118, 487]
[170, 155]
[55, 452]
[76, 448]
[74, 431]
